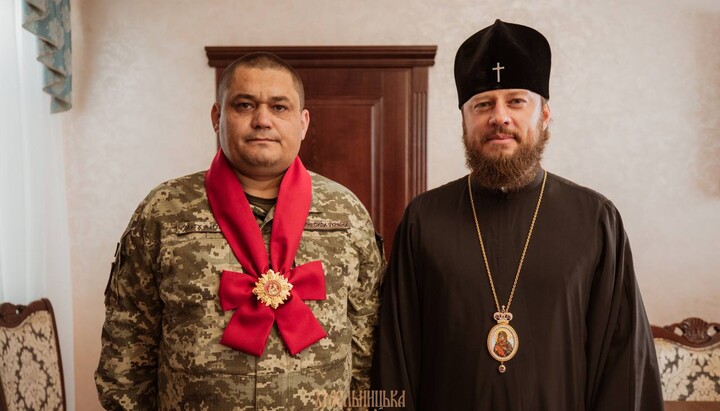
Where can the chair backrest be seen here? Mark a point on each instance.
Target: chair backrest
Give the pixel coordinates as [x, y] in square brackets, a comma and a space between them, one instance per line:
[689, 359]
[30, 364]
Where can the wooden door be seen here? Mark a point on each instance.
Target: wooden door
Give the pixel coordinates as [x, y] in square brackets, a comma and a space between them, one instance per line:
[368, 116]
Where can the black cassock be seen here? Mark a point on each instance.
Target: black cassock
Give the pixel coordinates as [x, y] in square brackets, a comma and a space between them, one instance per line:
[584, 338]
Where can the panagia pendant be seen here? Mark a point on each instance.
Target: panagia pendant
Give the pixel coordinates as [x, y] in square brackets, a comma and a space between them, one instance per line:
[502, 341]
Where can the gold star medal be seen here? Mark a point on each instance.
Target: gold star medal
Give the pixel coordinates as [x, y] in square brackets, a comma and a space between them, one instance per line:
[272, 289]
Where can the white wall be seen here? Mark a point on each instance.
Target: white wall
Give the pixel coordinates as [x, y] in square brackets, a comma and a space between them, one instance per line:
[634, 92]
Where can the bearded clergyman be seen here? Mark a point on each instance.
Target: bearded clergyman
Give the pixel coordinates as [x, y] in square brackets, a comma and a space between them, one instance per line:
[513, 253]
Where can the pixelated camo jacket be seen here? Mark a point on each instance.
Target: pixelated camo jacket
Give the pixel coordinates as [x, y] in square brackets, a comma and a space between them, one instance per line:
[160, 340]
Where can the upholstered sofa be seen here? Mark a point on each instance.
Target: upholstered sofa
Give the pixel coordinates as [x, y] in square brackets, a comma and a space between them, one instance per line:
[689, 361]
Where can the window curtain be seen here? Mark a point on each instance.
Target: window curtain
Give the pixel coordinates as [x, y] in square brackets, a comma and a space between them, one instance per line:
[49, 20]
[34, 243]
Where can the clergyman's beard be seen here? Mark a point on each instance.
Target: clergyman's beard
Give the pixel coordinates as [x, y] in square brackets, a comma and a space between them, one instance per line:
[506, 172]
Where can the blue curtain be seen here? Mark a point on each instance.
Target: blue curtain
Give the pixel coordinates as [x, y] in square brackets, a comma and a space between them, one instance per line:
[49, 20]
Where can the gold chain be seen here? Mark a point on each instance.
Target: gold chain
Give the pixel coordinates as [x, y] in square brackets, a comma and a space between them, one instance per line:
[522, 256]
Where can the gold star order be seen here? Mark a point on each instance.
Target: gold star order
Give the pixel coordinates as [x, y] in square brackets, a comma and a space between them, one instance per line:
[272, 289]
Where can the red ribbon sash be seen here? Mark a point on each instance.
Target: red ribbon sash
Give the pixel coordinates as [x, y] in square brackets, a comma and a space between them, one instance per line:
[250, 325]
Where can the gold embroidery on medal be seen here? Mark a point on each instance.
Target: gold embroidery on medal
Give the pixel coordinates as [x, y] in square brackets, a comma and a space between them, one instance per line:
[503, 341]
[272, 289]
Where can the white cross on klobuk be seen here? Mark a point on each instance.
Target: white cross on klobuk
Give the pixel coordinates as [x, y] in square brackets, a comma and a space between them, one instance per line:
[498, 68]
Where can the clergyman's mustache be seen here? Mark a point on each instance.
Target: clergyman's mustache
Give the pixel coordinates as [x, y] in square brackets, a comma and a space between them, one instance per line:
[500, 130]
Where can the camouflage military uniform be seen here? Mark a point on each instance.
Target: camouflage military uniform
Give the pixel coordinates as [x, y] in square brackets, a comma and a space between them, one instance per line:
[163, 322]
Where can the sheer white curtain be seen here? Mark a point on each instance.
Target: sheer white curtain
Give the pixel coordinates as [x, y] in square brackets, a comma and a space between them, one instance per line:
[34, 244]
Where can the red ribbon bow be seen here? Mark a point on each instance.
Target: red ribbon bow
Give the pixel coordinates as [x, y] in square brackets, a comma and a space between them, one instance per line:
[250, 325]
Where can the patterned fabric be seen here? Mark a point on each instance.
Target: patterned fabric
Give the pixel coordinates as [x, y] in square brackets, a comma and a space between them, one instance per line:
[688, 374]
[161, 338]
[29, 371]
[49, 20]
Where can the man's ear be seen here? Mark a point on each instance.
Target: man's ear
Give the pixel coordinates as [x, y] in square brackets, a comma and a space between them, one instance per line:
[215, 117]
[305, 121]
[546, 115]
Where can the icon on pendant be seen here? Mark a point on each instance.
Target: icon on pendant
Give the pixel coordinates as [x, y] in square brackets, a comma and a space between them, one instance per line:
[503, 346]
[502, 342]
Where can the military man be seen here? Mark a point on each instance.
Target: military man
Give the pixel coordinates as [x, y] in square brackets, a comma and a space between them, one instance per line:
[250, 286]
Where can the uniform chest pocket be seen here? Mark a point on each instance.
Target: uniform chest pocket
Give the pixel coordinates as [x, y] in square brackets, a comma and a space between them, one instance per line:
[197, 246]
[325, 240]
[192, 259]
[333, 244]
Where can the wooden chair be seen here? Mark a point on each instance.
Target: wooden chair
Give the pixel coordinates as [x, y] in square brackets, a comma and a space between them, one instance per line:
[30, 366]
[688, 355]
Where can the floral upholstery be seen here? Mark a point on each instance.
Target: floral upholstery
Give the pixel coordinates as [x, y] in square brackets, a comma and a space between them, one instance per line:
[689, 374]
[30, 368]
[688, 356]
